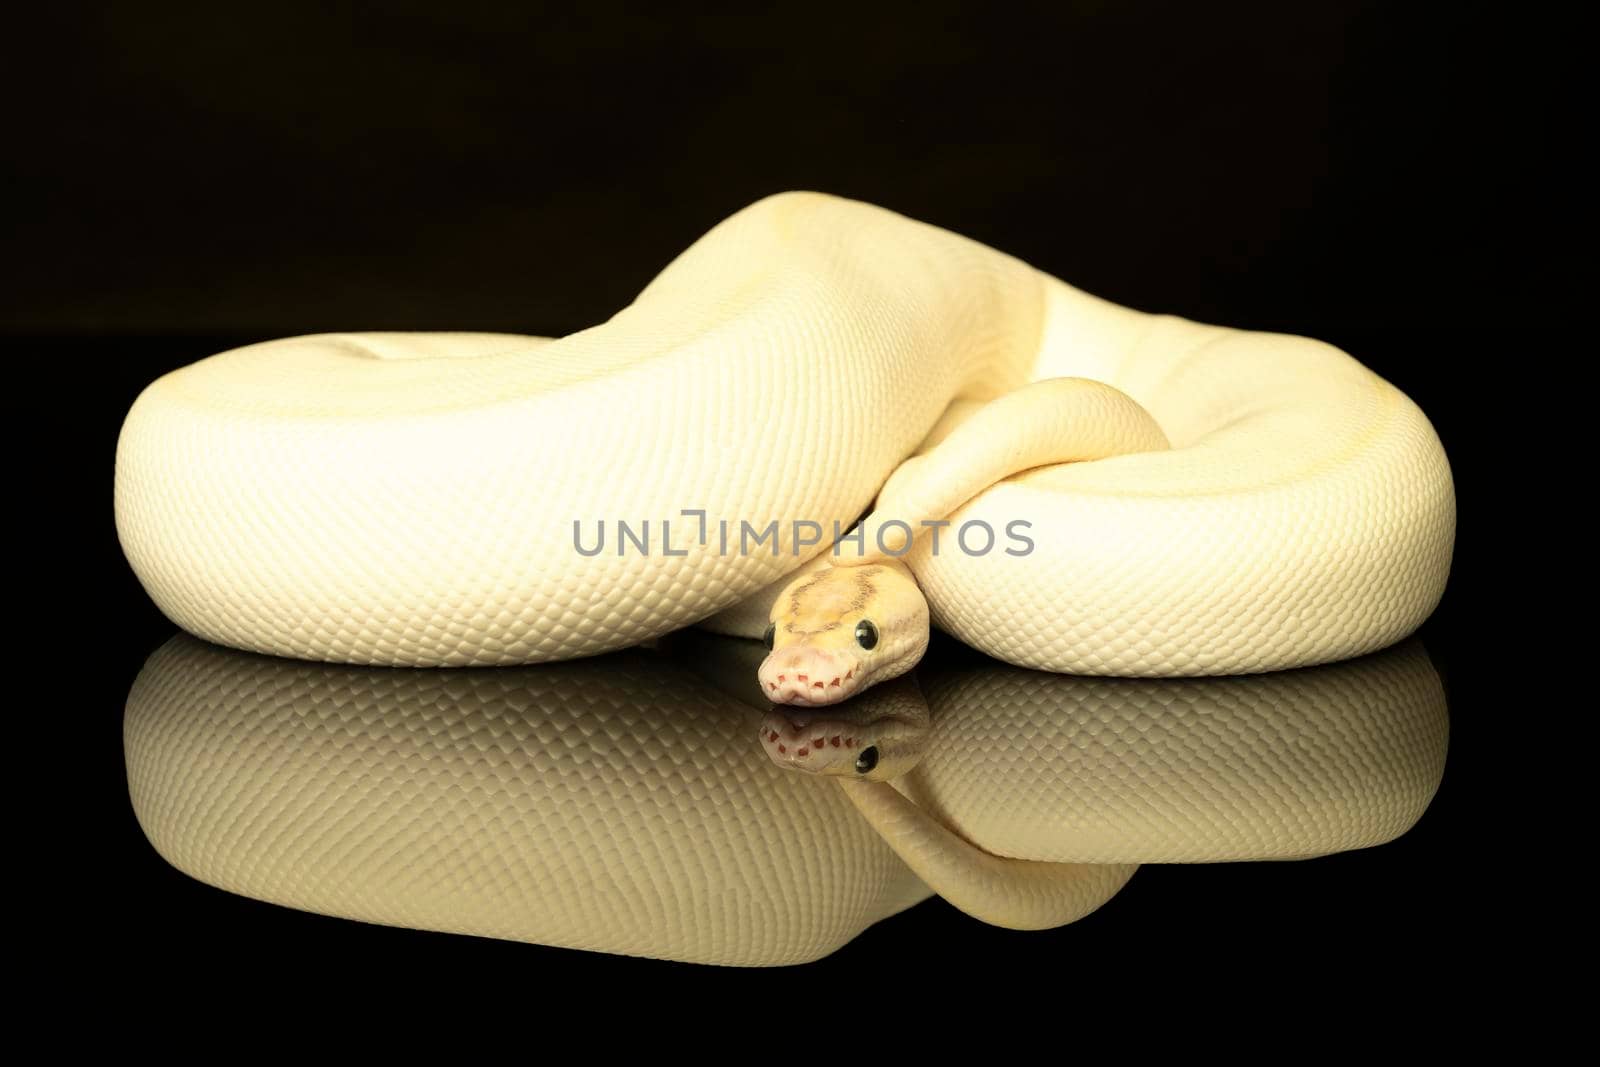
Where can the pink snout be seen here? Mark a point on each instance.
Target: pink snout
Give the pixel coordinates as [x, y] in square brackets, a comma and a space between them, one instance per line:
[808, 676]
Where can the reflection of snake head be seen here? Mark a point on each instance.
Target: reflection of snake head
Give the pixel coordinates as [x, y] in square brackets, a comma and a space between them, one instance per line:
[837, 630]
[878, 736]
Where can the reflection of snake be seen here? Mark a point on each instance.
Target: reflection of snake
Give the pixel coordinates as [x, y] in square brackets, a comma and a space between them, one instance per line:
[618, 804]
[412, 499]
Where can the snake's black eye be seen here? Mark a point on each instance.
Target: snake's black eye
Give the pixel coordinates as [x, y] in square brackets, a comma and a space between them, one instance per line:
[867, 760]
[866, 634]
[771, 635]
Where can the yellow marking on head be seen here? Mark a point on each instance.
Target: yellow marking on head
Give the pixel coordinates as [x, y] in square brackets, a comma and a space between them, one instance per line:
[828, 598]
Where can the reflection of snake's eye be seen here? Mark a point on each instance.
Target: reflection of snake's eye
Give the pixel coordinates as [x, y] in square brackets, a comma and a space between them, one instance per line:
[866, 634]
[869, 756]
[771, 635]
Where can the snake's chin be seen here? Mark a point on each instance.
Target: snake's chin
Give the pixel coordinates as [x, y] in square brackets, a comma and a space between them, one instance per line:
[821, 700]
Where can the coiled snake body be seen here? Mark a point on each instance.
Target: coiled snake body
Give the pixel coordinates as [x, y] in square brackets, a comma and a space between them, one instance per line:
[1195, 500]
[412, 499]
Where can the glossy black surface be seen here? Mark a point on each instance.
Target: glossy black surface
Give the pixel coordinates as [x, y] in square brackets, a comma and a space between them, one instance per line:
[1353, 175]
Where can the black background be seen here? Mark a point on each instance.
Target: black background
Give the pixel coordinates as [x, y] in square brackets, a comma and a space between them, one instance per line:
[190, 177]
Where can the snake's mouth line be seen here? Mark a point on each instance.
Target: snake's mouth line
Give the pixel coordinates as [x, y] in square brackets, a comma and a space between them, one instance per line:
[809, 676]
[803, 691]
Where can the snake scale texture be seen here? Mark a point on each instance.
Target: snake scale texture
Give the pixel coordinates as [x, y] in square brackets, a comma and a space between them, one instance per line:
[1198, 501]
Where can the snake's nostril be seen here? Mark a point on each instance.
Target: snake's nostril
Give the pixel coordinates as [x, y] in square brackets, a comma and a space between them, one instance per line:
[803, 752]
[802, 678]
[781, 678]
[834, 682]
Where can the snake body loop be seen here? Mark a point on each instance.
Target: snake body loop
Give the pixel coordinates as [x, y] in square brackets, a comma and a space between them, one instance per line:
[411, 499]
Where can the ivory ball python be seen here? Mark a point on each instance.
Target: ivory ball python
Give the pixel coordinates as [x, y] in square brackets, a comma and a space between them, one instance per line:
[1196, 500]
[1245, 502]
[618, 805]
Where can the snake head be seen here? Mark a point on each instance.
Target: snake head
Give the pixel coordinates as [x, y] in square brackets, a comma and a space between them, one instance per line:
[837, 630]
